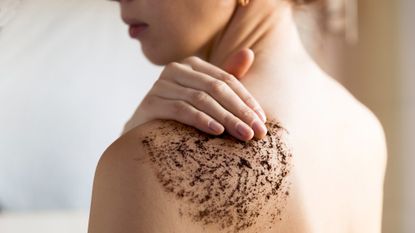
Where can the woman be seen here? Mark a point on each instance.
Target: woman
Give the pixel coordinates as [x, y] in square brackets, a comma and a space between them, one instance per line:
[162, 176]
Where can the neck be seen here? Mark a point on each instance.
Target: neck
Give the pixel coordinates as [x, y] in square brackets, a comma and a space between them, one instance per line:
[268, 28]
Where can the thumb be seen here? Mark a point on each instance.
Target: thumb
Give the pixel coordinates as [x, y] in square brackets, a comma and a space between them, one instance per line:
[239, 63]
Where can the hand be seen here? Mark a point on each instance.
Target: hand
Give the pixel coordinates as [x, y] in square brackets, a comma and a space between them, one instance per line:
[197, 93]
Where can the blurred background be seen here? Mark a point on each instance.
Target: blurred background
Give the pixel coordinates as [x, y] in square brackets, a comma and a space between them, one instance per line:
[70, 77]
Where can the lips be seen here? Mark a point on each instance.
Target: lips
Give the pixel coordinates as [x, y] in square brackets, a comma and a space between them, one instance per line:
[136, 30]
[136, 27]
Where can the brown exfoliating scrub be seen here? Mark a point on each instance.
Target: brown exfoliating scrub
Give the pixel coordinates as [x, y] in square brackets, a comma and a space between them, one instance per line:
[221, 179]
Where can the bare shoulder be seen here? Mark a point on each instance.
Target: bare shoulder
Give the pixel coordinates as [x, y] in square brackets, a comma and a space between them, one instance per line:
[219, 182]
[370, 152]
[364, 138]
[367, 131]
[356, 119]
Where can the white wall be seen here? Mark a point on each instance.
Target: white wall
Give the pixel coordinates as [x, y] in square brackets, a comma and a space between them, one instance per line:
[69, 78]
[408, 106]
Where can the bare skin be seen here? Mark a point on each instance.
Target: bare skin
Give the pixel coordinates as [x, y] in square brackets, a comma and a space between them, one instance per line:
[338, 145]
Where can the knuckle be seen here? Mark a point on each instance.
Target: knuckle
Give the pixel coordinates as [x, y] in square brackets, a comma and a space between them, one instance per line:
[159, 87]
[196, 59]
[149, 100]
[247, 113]
[179, 108]
[198, 97]
[249, 100]
[163, 74]
[158, 83]
[199, 117]
[172, 65]
[217, 86]
[191, 60]
[228, 78]
[229, 120]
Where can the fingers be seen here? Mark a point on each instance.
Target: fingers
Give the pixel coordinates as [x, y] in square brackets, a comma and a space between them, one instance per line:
[203, 102]
[224, 95]
[198, 64]
[239, 63]
[182, 111]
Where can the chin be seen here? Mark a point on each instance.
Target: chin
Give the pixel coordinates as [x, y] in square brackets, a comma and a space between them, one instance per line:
[156, 60]
[160, 58]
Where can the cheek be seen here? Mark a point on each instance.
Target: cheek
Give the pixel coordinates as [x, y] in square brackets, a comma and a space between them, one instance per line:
[165, 44]
[173, 41]
[181, 31]
[167, 38]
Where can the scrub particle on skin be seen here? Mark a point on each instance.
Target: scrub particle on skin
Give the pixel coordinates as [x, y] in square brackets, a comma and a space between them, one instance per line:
[220, 179]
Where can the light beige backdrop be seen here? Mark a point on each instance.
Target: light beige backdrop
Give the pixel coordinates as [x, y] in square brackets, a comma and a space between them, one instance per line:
[380, 71]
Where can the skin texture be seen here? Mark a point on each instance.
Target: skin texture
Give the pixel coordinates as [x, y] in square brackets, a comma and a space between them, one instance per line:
[221, 180]
[335, 180]
[190, 181]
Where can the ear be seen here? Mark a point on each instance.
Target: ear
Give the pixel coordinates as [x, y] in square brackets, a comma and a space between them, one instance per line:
[239, 63]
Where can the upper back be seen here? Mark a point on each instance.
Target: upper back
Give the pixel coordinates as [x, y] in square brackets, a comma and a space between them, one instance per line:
[339, 158]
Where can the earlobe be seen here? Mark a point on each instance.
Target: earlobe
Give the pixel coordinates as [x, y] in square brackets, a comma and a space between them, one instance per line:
[243, 2]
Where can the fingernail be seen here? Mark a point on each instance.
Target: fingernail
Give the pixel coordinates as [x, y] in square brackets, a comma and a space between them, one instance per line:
[243, 130]
[215, 127]
[259, 126]
[261, 115]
